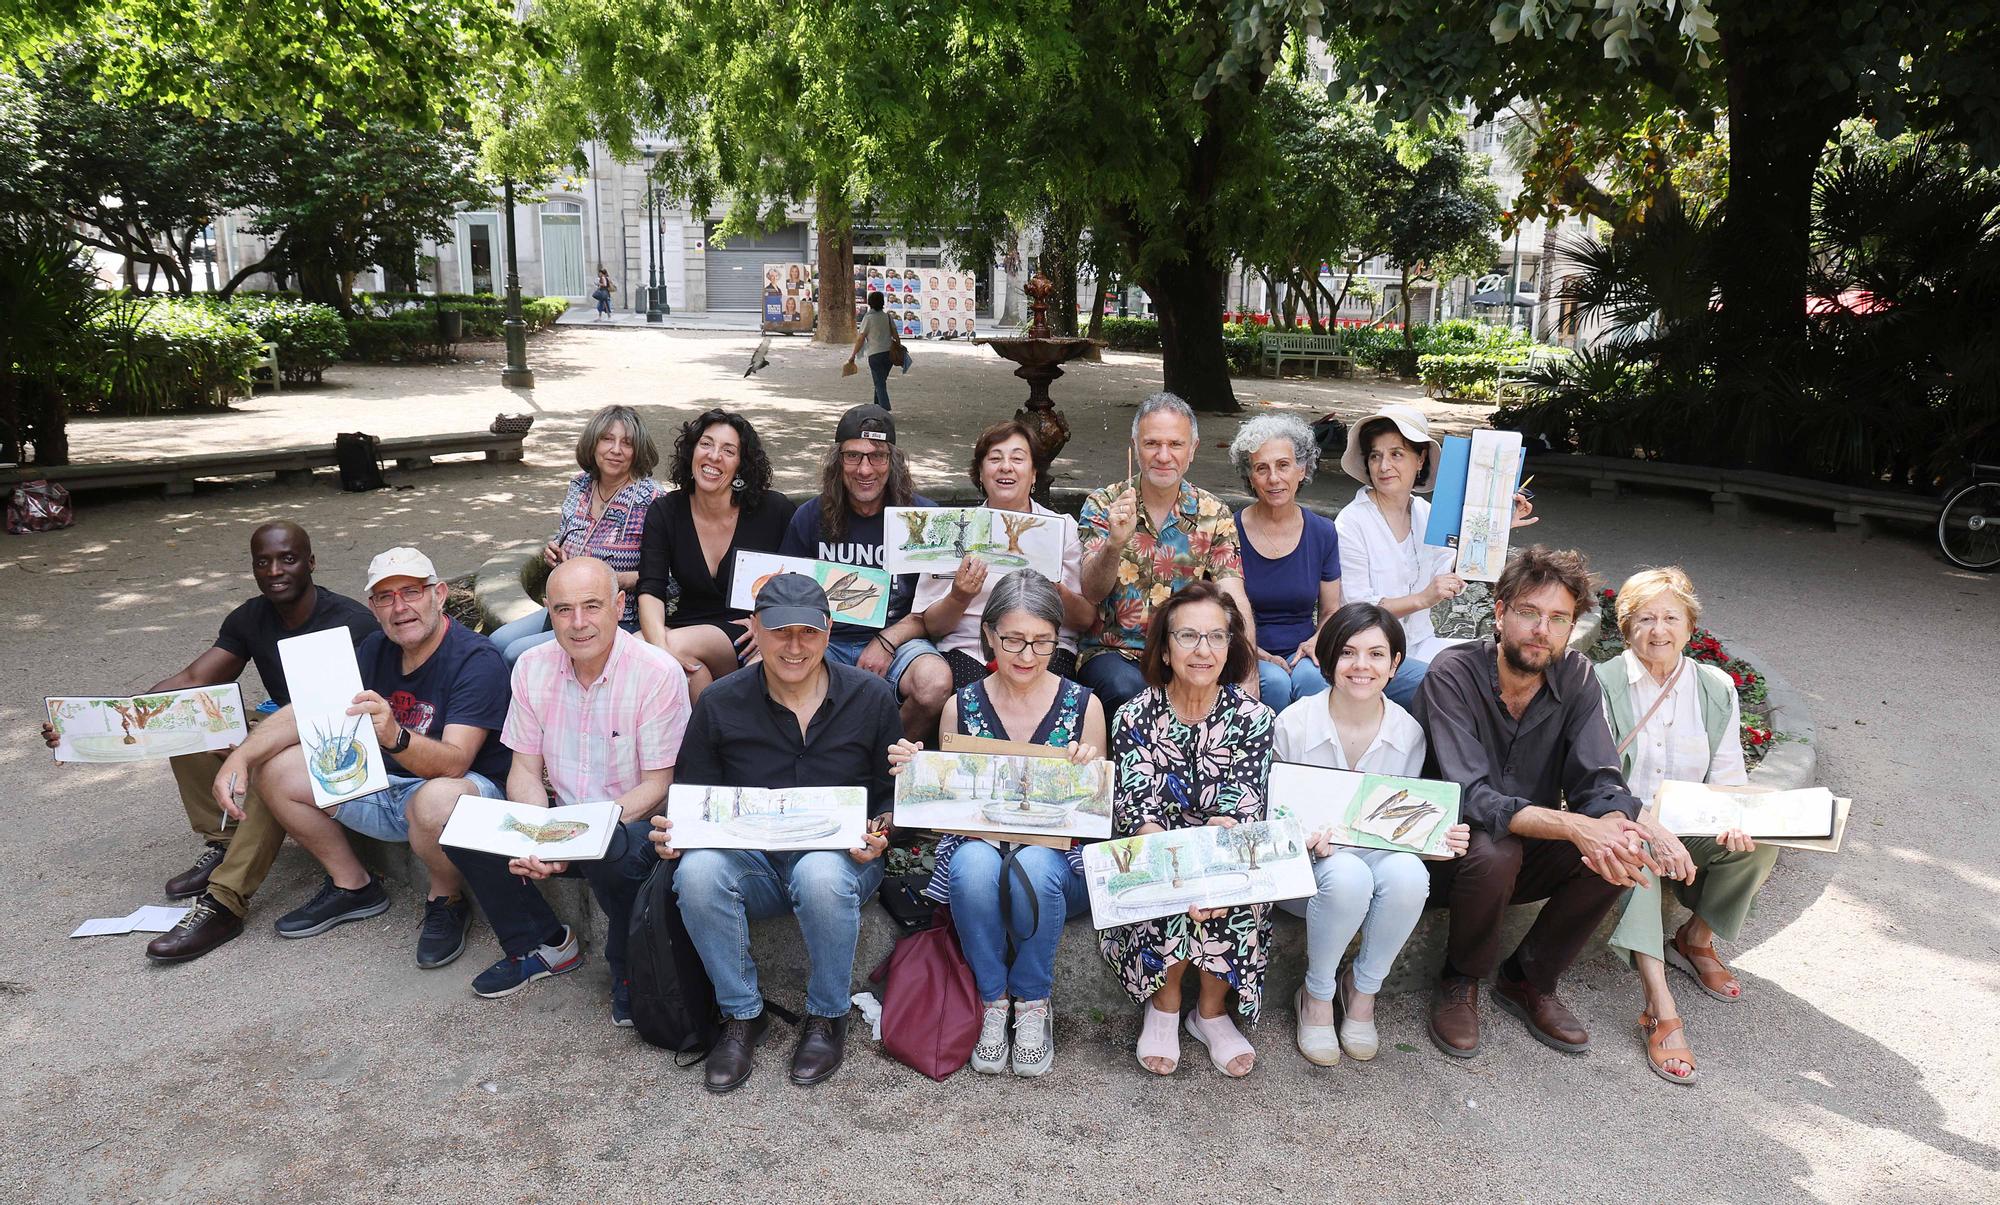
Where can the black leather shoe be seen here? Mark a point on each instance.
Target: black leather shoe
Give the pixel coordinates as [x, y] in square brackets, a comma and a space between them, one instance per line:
[735, 1053]
[206, 926]
[194, 880]
[822, 1044]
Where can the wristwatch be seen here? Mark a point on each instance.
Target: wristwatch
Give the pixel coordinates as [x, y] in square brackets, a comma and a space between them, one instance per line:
[402, 740]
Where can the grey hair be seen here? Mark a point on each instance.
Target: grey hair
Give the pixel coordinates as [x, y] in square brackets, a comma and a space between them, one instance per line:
[1267, 427]
[1171, 403]
[1026, 591]
[645, 456]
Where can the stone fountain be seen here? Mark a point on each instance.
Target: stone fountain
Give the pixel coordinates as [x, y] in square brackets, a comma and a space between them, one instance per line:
[1040, 357]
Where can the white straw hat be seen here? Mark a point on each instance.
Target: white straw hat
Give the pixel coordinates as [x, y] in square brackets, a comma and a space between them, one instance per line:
[1415, 428]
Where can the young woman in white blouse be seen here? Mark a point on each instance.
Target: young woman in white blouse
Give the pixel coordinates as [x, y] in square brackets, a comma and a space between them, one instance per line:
[1379, 892]
[1674, 718]
[1383, 557]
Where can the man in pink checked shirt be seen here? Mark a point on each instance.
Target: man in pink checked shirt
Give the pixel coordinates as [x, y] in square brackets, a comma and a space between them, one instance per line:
[602, 712]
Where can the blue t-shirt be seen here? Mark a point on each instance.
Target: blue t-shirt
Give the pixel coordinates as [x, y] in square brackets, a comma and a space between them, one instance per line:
[464, 681]
[1284, 594]
[863, 546]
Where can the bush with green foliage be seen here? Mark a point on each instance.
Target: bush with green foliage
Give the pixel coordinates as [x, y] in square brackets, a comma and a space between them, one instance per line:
[404, 336]
[1241, 341]
[310, 336]
[154, 355]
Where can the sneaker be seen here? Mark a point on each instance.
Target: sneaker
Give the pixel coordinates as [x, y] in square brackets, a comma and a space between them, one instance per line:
[1034, 1038]
[194, 880]
[510, 975]
[989, 1057]
[442, 938]
[621, 1003]
[334, 906]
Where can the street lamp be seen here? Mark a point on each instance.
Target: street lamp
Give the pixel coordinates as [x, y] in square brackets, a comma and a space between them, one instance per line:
[516, 374]
[653, 249]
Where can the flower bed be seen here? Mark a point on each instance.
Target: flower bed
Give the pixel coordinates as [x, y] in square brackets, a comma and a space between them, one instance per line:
[1757, 734]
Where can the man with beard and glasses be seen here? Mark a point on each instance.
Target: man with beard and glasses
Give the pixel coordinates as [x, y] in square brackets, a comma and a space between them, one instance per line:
[1517, 721]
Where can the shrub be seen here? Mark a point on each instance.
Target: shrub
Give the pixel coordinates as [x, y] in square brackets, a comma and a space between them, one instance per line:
[166, 355]
[309, 336]
[407, 336]
[541, 312]
[1132, 334]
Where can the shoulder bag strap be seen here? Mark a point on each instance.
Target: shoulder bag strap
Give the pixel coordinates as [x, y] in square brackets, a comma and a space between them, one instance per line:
[1665, 692]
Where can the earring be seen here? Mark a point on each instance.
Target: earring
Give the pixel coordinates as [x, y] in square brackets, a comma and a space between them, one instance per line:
[736, 484]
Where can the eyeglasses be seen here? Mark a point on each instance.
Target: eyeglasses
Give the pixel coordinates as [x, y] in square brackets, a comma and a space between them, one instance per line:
[1190, 639]
[1535, 619]
[1044, 646]
[409, 596]
[875, 459]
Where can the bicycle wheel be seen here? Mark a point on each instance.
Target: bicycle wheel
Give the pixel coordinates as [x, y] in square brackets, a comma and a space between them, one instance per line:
[1969, 526]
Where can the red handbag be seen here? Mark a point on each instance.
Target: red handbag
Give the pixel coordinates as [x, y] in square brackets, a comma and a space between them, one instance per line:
[39, 506]
[930, 1003]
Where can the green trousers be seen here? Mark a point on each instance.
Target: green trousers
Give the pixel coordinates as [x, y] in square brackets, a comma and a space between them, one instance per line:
[251, 845]
[1725, 885]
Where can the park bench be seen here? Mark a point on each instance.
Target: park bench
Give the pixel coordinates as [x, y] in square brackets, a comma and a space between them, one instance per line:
[176, 475]
[1512, 383]
[265, 370]
[1314, 349]
[1853, 508]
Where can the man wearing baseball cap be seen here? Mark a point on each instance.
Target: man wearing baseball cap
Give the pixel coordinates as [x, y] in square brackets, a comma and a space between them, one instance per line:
[864, 473]
[436, 694]
[796, 718]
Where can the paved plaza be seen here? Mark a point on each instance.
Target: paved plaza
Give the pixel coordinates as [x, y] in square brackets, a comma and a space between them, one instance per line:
[1857, 1067]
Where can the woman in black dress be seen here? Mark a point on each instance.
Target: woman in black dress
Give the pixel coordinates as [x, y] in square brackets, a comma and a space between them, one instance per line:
[723, 501]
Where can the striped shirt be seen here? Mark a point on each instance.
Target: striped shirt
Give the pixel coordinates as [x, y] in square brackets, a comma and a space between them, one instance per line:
[597, 740]
[614, 537]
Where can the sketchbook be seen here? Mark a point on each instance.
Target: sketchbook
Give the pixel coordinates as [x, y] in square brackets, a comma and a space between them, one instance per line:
[856, 594]
[579, 832]
[100, 728]
[1162, 874]
[958, 742]
[1472, 504]
[935, 539]
[1690, 809]
[787, 818]
[343, 758]
[1005, 793]
[1372, 811]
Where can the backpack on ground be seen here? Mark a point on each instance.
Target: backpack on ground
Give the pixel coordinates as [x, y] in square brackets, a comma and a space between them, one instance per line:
[673, 1003]
[1330, 437]
[359, 457]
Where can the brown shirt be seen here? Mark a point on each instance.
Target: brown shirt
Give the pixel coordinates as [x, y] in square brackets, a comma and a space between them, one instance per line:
[1559, 753]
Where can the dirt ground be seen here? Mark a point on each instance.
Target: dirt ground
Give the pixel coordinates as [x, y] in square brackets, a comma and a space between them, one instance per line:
[1856, 1068]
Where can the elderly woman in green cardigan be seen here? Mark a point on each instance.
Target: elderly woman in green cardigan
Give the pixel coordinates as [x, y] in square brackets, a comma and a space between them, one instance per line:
[1676, 719]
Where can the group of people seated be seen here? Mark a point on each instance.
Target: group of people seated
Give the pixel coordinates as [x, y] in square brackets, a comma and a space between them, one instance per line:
[1190, 645]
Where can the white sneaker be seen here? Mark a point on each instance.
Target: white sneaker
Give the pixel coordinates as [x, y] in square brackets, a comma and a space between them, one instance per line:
[989, 1057]
[1034, 1038]
[1317, 1043]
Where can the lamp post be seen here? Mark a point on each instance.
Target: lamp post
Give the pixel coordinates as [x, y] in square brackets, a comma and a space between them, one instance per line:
[653, 245]
[516, 374]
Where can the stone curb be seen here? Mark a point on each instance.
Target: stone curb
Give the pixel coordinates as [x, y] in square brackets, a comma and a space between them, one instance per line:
[1793, 763]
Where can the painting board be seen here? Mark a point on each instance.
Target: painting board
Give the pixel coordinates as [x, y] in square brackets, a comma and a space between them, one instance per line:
[856, 594]
[789, 818]
[1134, 879]
[580, 832]
[1689, 809]
[1467, 490]
[1005, 793]
[1370, 811]
[105, 728]
[958, 742]
[343, 759]
[935, 539]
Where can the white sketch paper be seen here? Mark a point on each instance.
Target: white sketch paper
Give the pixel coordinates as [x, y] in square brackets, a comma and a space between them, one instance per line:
[935, 539]
[1372, 811]
[579, 832]
[791, 818]
[1160, 874]
[1689, 809]
[1005, 793]
[1492, 470]
[343, 758]
[100, 728]
[856, 594]
[147, 918]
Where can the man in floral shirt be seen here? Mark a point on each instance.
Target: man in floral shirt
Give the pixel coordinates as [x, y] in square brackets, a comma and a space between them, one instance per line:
[1143, 539]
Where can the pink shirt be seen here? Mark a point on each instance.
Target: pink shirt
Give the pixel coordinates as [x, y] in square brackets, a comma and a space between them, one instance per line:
[597, 739]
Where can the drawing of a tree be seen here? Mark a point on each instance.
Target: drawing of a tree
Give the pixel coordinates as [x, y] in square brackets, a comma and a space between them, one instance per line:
[137, 713]
[915, 521]
[1122, 853]
[1017, 526]
[1249, 838]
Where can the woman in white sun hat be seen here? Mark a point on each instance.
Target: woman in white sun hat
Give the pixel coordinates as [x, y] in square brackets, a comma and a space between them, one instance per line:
[1383, 557]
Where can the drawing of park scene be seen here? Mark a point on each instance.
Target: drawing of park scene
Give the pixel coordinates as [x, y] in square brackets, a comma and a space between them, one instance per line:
[1005, 792]
[708, 817]
[1373, 811]
[1487, 522]
[91, 728]
[936, 539]
[856, 594]
[1160, 874]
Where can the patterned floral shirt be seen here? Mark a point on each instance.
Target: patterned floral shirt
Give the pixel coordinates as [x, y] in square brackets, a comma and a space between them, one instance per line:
[1198, 543]
[614, 538]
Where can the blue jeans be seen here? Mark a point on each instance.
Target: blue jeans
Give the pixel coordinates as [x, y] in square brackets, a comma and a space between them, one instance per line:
[1402, 689]
[723, 890]
[385, 814]
[1282, 687]
[982, 932]
[848, 652]
[1381, 892]
[522, 919]
[1113, 678]
[878, 367]
[527, 632]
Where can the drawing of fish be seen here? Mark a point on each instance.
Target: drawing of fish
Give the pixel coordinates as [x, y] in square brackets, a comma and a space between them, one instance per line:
[544, 834]
[1412, 821]
[849, 593]
[1388, 803]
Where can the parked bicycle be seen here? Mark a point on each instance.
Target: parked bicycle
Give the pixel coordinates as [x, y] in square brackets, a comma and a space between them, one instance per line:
[1968, 528]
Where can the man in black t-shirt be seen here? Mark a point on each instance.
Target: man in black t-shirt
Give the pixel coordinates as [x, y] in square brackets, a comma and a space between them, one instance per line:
[233, 865]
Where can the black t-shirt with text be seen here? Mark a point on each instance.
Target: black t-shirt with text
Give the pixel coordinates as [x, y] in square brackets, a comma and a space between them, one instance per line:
[252, 631]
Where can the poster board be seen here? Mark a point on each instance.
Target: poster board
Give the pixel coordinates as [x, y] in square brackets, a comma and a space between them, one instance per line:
[791, 296]
[1369, 811]
[1005, 794]
[1133, 879]
[931, 303]
[789, 818]
[343, 759]
[856, 594]
[1472, 504]
[936, 539]
[97, 729]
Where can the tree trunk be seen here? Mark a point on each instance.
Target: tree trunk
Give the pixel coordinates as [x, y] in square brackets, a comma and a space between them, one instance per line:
[1545, 281]
[1188, 298]
[1403, 305]
[835, 326]
[1062, 236]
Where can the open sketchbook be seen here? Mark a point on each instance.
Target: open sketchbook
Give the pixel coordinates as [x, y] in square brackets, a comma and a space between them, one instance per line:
[936, 539]
[1373, 811]
[1005, 793]
[1160, 874]
[579, 832]
[100, 728]
[1472, 506]
[856, 594]
[1810, 816]
[788, 818]
[958, 742]
[343, 758]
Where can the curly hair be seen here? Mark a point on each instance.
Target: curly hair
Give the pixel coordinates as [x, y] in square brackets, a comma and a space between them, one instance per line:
[645, 456]
[753, 468]
[1535, 567]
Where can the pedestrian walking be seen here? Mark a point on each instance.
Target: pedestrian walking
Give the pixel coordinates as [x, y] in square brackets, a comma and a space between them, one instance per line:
[876, 339]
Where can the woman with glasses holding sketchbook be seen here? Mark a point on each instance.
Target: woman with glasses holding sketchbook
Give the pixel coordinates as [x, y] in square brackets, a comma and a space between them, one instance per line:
[1020, 700]
[1676, 719]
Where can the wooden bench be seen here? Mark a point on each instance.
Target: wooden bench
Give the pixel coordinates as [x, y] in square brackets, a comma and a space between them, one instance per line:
[265, 370]
[1313, 349]
[1853, 508]
[176, 475]
[1512, 384]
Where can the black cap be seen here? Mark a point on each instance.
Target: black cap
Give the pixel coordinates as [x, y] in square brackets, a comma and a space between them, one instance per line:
[792, 600]
[865, 422]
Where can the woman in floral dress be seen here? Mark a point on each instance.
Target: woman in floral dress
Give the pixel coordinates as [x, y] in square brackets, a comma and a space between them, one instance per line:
[1194, 748]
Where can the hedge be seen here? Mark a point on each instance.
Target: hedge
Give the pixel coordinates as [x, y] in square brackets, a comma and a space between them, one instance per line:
[164, 355]
[1468, 375]
[402, 337]
[1239, 340]
[309, 336]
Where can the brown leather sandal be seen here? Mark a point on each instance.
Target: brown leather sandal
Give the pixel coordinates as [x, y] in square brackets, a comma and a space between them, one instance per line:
[1657, 1055]
[1718, 983]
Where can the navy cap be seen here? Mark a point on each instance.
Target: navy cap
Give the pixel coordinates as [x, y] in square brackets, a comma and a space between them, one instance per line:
[793, 600]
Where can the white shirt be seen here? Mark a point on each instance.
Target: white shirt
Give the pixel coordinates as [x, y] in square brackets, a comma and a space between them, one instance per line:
[1305, 734]
[934, 586]
[1674, 743]
[1375, 565]
[878, 331]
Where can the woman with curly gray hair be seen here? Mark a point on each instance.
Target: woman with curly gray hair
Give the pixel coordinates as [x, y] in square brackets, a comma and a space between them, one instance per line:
[1291, 556]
